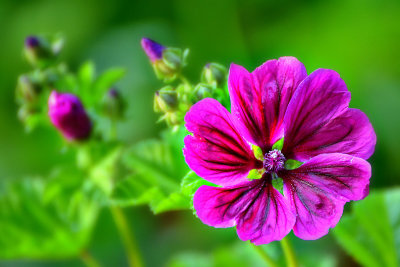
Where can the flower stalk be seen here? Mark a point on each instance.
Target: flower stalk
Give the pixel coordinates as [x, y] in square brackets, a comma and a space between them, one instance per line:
[128, 239]
[288, 251]
[266, 258]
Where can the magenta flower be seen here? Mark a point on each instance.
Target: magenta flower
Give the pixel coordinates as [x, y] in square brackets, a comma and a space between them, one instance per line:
[68, 115]
[311, 112]
[152, 49]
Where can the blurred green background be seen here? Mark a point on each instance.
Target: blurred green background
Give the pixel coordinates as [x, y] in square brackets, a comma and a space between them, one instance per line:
[359, 39]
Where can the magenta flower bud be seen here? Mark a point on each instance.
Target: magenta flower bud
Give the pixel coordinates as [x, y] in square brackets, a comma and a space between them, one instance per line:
[68, 115]
[152, 49]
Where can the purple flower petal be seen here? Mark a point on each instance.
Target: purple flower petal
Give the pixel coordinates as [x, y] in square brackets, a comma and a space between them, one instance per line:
[216, 151]
[318, 190]
[259, 100]
[321, 97]
[350, 133]
[260, 212]
[278, 80]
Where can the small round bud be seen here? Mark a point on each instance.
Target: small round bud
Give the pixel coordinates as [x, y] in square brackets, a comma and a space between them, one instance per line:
[202, 91]
[214, 74]
[113, 104]
[68, 115]
[41, 51]
[166, 100]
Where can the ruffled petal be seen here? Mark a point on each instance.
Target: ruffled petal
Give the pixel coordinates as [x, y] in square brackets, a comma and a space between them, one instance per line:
[216, 151]
[350, 133]
[246, 106]
[268, 219]
[318, 190]
[277, 80]
[320, 98]
[259, 100]
[260, 212]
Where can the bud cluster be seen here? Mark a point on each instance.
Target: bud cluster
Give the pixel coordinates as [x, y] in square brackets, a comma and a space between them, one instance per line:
[41, 92]
[33, 87]
[175, 101]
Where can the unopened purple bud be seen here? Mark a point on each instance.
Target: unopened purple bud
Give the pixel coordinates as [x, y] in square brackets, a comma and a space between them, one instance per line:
[152, 49]
[68, 115]
[32, 42]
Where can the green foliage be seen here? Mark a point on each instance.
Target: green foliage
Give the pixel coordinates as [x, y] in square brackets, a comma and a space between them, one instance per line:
[47, 218]
[243, 254]
[371, 233]
[157, 168]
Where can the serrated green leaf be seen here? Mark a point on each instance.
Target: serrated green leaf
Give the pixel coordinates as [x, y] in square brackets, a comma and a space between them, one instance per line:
[46, 218]
[369, 233]
[103, 172]
[157, 168]
[191, 182]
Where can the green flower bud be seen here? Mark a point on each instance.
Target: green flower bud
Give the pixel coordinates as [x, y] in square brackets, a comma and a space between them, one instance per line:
[28, 89]
[166, 100]
[202, 91]
[214, 74]
[41, 51]
[113, 104]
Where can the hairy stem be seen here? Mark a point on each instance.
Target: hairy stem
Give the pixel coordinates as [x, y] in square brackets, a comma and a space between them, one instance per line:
[289, 253]
[127, 237]
[267, 259]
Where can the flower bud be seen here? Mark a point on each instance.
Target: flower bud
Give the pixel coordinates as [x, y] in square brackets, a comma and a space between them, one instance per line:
[113, 104]
[165, 100]
[68, 115]
[152, 49]
[28, 89]
[202, 91]
[40, 51]
[167, 62]
[214, 74]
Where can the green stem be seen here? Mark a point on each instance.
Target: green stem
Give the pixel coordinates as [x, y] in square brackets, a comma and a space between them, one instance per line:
[113, 129]
[184, 80]
[289, 253]
[267, 259]
[88, 259]
[127, 237]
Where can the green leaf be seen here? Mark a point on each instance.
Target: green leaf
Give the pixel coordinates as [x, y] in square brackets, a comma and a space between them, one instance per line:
[104, 171]
[257, 152]
[86, 74]
[190, 183]
[278, 144]
[107, 80]
[371, 233]
[47, 218]
[157, 168]
[292, 164]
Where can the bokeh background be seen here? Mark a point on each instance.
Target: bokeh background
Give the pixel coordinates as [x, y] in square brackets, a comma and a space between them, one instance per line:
[359, 39]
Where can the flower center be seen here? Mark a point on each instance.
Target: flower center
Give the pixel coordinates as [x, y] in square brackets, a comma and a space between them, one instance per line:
[274, 161]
